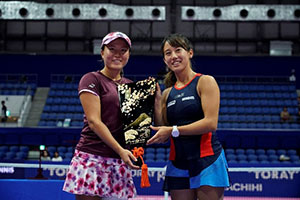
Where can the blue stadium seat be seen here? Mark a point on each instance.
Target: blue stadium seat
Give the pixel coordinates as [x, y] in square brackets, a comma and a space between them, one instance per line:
[68, 155]
[262, 157]
[2, 155]
[229, 151]
[252, 157]
[241, 157]
[21, 156]
[70, 149]
[294, 158]
[149, 156]
[240, 151]
[231, 157]
[14, 149]
[51, 149]
[62, 149]
[160, 150]
[271, 152]
[273, 157]
[291, 152]
[260, 151]
[4, 148]
[149, 150]
[250, 151]
[10, 155]
[24, 149]
[160, 156]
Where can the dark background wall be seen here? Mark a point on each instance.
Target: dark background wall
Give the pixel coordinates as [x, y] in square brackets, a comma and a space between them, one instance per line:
[45, 65]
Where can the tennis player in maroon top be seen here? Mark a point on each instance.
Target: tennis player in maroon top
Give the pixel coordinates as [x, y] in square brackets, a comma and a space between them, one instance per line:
[100, 168]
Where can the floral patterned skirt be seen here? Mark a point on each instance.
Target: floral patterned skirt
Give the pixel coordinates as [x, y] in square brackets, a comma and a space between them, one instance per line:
[94, 175]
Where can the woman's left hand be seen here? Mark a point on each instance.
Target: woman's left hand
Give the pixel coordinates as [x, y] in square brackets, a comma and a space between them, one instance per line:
[161, 136]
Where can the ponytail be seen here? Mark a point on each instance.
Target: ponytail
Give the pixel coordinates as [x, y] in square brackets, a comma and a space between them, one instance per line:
[170, 79]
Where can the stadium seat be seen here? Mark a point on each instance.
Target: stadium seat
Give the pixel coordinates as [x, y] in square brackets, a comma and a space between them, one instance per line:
[160, 150]
[239, 151]
[70, 149]
[271, 152]
[229, 151]
[250, 151]
[241, 157]
[291, 152]
[160, 156]
[4, 148]
[24, 149]
[61, 149]
[149, 150]
[260, 151]
[68, 155]
[14, 149]
[281, 152]
[231, 157]
[252, 157]
[21, 155]
[262, 157]
[273, 157]
[51, 149]
[10, 155]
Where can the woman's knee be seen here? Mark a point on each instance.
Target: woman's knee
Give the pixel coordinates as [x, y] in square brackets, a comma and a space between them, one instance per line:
[210, 193]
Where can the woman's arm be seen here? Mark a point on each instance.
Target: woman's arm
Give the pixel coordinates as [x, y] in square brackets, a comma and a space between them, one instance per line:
[160, 108]
[92, 109]
[209, 93]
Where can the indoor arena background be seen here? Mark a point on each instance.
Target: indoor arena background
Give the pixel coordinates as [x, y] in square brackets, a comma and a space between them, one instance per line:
[251, 47]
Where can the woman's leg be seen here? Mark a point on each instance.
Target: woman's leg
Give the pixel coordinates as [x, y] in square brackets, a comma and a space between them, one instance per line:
[186, 194]
[210, 193]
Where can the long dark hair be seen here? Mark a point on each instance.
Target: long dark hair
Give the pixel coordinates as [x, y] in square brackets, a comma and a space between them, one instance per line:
[175, 40]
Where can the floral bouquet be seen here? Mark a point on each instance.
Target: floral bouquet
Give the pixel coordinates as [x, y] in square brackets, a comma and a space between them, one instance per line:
[137, 105]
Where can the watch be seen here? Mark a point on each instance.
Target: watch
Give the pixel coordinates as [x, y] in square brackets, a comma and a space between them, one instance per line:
[175, 132]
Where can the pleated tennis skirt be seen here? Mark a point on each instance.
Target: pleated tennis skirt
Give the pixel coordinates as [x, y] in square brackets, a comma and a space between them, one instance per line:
[94, 175]
[215, 175]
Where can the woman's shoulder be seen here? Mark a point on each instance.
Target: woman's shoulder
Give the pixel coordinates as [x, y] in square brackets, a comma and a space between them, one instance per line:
[126, 80]
[95, 76]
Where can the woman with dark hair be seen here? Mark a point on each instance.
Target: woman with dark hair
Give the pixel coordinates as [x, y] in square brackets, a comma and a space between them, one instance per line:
[188, 115]
[100, 167]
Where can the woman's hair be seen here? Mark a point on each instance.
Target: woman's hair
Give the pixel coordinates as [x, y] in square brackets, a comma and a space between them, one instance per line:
[175, 40]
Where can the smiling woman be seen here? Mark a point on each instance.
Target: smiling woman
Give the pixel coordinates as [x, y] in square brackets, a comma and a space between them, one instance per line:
[188, 115]
[101, 146]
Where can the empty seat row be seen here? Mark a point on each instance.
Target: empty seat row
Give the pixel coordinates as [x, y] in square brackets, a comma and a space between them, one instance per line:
[63, 93]
[13, 155]
[58, 123]
[14, 148]
[288, 152]
[259, 102]
[249, 118]
[61, 116]
[258, 125]
[258, 87]
[63, 108]
[63, 100]
[63, 86]
[256, 110]
[18, 86]
[258, 95]
[262, 156]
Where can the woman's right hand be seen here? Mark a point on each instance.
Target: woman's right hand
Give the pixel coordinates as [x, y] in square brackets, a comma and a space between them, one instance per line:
[128, 157]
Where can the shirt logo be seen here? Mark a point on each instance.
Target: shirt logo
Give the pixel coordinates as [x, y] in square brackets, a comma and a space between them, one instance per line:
[179, 95]
[188, 98]
[171, 103]
[91, 85]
